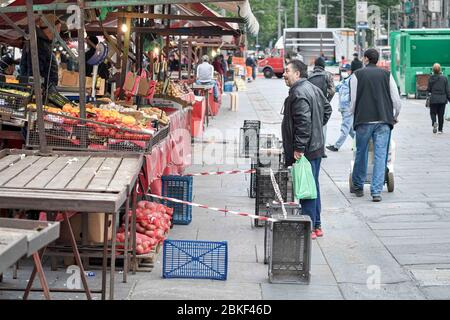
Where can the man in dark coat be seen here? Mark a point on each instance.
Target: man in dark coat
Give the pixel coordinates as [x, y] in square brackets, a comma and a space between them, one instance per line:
[48, 67]
[306, 111]
[325, 82]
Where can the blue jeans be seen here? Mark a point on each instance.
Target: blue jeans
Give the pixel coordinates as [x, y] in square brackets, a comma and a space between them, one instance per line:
[380, 134]
[346, 128]
[215, 89]
[312, 207]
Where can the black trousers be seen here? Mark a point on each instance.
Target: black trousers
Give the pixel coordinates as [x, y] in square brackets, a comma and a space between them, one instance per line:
[437, 109]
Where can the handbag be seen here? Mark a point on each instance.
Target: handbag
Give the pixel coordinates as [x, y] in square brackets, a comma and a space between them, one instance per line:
[447, 112]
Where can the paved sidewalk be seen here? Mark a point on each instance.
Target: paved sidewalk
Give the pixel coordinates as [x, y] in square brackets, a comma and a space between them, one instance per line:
[405, 238]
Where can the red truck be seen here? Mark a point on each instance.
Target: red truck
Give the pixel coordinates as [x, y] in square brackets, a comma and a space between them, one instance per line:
[270, 66]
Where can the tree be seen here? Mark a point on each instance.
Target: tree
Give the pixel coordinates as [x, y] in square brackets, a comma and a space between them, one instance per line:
[266, 13]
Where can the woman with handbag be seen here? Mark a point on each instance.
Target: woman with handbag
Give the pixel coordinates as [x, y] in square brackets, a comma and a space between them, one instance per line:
[439, 94]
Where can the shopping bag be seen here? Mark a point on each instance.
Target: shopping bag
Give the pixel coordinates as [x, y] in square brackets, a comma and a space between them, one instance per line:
[447, 112]
[303, 180]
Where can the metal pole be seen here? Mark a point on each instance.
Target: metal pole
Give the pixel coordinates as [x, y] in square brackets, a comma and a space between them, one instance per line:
[420, 24]
[279, 19]
[36, 77]
[285, 18]
[389, 26]
[342, 14]
[320, 7]
[295, 14]
[82, 63]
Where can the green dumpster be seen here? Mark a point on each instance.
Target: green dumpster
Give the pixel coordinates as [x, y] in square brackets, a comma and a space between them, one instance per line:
[414, 51]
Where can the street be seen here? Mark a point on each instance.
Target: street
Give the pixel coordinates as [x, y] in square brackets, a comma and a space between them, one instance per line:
[396, 249]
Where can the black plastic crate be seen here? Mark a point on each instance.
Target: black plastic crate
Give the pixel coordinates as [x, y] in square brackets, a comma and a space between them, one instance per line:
[248, 142]
[252, 123]
[160, 135]
[14, 99]
[265, 193]
[275, 209]
[289, 249]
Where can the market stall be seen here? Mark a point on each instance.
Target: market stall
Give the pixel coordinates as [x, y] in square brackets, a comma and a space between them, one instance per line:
[103, 149]
[71, 182]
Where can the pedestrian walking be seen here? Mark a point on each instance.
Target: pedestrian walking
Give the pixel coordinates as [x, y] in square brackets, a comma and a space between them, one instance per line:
[439, 94]
[250, 66]
[343, 88]
[306, 110]
[325, 82]
[356, 63]
[375, 103]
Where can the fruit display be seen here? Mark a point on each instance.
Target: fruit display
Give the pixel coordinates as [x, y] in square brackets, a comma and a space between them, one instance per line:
[175, 89]
[157, 113]
[16, 92]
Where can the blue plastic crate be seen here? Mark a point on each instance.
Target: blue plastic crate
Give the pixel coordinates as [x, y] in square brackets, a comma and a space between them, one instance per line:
[179, 188]
[195, 259]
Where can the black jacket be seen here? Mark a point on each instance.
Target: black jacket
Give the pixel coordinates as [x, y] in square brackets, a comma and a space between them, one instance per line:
[48, 67]
[323, 80]
[373, 98]
[439, 89]
[306, 111]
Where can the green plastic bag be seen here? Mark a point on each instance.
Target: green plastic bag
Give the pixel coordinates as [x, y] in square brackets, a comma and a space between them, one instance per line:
[303, 180]
[447, 112]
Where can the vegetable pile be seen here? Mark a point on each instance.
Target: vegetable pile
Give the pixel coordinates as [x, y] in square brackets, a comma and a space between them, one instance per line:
[153, 221]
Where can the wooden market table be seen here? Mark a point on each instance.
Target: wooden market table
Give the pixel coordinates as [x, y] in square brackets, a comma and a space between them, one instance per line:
[88, 182]
[20, 238]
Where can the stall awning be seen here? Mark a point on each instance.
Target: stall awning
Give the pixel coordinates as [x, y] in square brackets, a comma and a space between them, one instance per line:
[244, 10]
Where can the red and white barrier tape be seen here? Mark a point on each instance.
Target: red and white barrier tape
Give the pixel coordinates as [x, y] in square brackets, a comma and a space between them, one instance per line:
[276, 188]
[242, 214]
[217, 173]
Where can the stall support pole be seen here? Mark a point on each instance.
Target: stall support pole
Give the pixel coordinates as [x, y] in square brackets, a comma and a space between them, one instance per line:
[189, 59]
[180, 54]
[127, 240]
[126, 49]
[36, 77]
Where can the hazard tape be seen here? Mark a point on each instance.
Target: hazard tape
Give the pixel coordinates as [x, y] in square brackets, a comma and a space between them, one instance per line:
[217, 173]
[276, 188]
[242, 214]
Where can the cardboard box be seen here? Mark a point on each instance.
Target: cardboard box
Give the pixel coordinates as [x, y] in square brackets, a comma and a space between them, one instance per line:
[95, 228]
[72, 79]
[69, 79]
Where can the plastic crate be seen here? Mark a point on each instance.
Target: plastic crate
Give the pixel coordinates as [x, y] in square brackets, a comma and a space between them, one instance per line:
[275, 209]
[248, 142]
[68, 133]
[195, 259]
[252, 123]
[160, 135]
[15, 104]
[289, 249]
[265, 193]
[179, 188]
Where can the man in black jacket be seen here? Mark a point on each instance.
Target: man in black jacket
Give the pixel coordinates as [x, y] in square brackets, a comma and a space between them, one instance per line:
[375, 104]
[306, 111]
[325, 82]
[48, 66]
